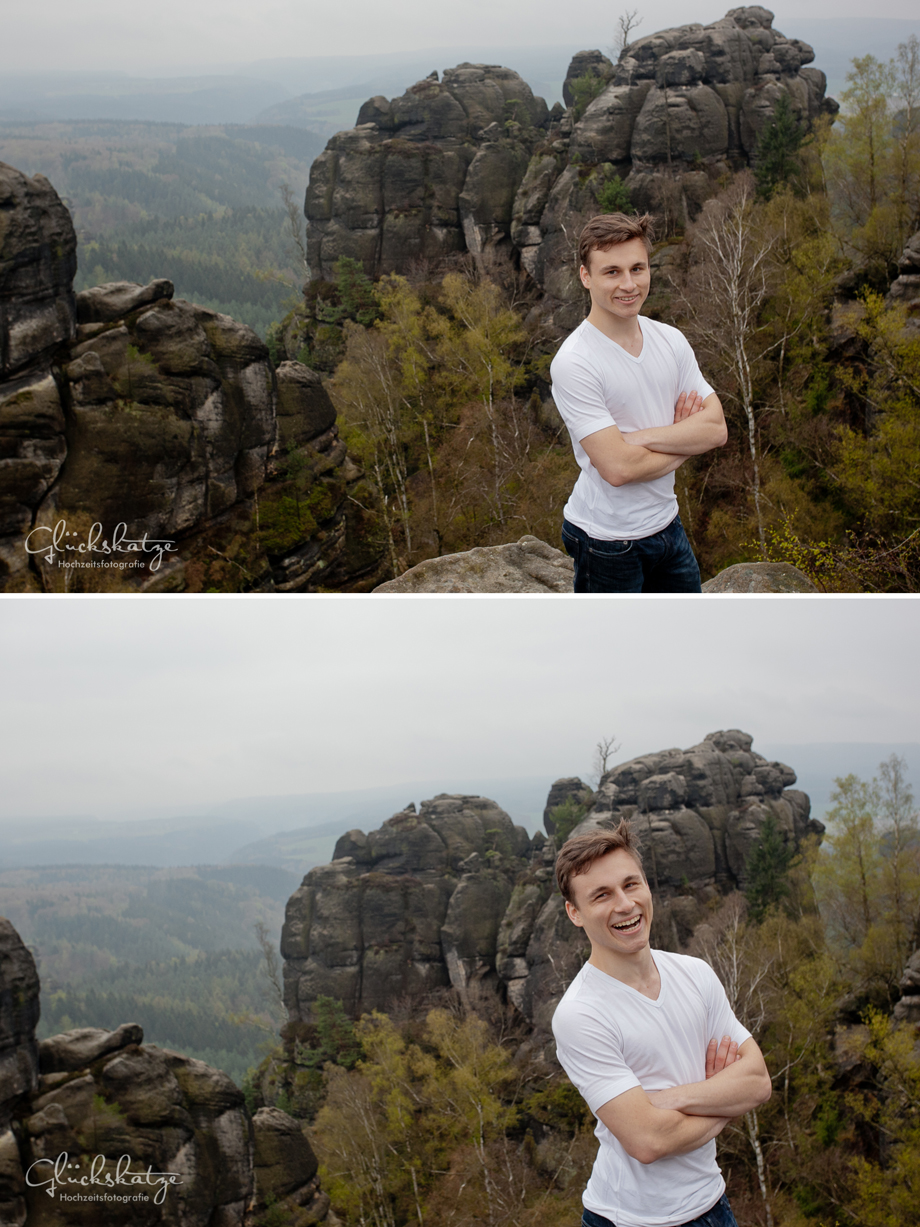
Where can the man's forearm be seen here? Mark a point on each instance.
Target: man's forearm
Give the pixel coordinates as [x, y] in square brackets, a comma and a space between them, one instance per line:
[693, 435]
[736, 1090]
[638, 465]
[657, 1132]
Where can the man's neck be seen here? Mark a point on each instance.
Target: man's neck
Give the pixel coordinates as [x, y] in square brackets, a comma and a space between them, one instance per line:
[636, 971]
[626, 333]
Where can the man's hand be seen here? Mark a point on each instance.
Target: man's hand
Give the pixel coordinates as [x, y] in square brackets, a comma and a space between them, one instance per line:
[698, 426]
[736, 1081]
[687, 404]
[718, 1055]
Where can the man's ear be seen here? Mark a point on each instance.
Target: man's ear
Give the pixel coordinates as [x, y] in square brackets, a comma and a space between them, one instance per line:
[572, 912]
[585, 276]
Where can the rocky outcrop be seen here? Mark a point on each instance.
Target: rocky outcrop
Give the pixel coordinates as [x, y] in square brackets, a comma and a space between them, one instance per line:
[467, 163]
[97, 1126]
[908, 1008]
[37, 315]
[19, 1012]
[428, 174]
[410, 908]
[457, 896]
[528, 565]
[683, 108]
[905, 289]
[760, 577]
[126, 407]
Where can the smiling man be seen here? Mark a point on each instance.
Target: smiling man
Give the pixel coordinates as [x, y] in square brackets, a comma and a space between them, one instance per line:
[650, 1041]
[636, 406]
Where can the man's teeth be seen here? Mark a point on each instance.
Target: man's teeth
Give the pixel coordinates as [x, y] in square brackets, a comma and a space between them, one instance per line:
[629, 924]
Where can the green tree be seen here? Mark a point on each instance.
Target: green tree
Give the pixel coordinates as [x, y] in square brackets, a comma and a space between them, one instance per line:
[767, 870]
[868, 879]
[776, 160]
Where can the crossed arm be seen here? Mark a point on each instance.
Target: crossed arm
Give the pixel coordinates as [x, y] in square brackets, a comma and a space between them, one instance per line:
[643, 455]
[652, 1125]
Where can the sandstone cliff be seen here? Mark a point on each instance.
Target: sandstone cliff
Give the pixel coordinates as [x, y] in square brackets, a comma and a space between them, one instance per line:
[475, 162]
[115, 1108]
[121, 405]
[457, 895]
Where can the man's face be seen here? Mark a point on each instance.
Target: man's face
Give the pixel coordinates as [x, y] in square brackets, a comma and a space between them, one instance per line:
[618, 279]
[613, 904]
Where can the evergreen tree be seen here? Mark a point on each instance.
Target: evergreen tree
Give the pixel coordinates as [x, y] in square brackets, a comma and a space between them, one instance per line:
[776, 158]
[767, 869]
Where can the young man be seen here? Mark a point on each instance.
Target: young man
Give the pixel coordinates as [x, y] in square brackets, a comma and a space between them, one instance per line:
[636, 406]
[650, 1041]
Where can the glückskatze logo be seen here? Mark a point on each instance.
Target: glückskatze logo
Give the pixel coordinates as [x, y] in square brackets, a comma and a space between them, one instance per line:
[66, 548]
[73, 1182]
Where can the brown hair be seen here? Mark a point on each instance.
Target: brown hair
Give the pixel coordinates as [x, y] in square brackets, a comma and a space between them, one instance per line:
[607, 229]
[578, 854]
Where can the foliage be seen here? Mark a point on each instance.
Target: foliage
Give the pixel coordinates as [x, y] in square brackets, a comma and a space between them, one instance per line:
[872, 160]
[879, 468]
[868, 879]
[585, 89]
[614, 197]
[776, 161]
[565, 817]
[766, 869]
[428, 401]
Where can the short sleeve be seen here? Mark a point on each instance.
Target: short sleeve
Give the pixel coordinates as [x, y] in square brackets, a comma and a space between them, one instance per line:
[578, 393]
[691, 377]
[591, 1052]
[722, 1020]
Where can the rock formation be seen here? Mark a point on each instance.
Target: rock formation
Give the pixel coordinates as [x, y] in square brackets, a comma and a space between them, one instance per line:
[760, 577]
[530, 565]
[114, 1107]
[428, 174]
[124, 406]
[467, 163]
[457, 895]
[905, 289]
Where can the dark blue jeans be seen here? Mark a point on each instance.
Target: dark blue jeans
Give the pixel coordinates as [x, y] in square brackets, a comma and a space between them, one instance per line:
[719, 1216]
[663, 562]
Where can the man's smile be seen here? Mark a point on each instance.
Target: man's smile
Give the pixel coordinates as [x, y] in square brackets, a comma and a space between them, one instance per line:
[628, 926]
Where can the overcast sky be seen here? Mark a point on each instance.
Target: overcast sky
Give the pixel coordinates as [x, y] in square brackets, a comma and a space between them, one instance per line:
[105, 34]
[112, 704]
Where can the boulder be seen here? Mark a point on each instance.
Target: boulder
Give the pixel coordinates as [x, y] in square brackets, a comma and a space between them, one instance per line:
[102, 304]
[528, 565]
[905, 289]
[75, 1049]
[760, 577]
[283, 1159]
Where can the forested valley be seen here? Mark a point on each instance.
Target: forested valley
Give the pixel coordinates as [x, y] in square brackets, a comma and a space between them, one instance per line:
[178, 951]
[440, 1113]
[202, 206]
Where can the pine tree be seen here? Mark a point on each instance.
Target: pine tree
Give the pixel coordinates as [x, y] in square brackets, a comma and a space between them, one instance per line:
[766, 870]
[776, 160]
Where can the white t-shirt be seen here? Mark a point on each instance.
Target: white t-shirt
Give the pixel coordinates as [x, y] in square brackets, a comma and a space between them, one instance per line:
[596, 384]
[609, 1039]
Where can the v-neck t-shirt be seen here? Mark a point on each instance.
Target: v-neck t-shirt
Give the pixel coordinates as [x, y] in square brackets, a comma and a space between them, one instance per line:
[596, 384]
[611, 1038]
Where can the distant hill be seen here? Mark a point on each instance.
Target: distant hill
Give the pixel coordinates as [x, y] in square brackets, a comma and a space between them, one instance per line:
[174, 950]
[199, 205]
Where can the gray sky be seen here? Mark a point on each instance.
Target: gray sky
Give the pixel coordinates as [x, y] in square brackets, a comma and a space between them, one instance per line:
[100, 34]
[111, 703]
